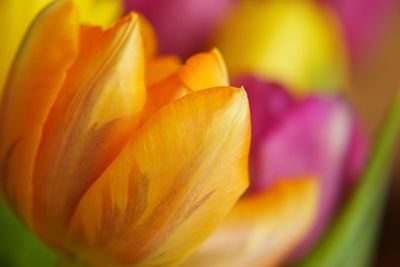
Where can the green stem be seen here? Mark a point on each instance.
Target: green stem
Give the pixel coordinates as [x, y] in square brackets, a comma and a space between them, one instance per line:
[350, 240]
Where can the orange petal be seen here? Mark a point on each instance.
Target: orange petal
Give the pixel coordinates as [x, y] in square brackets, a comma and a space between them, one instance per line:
[204, 70]
[172, 184]
[36, 77]
[261, 229]
[201, 71]
[160, 68]
[94, 116]
[149, 37]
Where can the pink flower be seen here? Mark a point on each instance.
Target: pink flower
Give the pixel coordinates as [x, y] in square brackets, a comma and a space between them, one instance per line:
[362, 21]
[317, 135]
[182, 26]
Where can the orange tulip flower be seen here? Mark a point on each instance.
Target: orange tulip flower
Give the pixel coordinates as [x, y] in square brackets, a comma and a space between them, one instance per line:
[112, 154]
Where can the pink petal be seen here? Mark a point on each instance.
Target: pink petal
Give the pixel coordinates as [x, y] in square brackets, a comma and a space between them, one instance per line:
[357, 155]
[317, 136]
[182, 26]
[362, 21]
[269, 102]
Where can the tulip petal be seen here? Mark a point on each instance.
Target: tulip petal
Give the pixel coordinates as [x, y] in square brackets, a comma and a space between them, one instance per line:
[184, 27]
[269, 103]
[262, 229]
[357, 155]
[96, 113]
[313, 139]
[201, 71]
[295, 43]
[363, 21]
[99, 12]
[150, 42]
[172, 184]
[15, 16]
[204, 70]
[36, 77]
[160, 68]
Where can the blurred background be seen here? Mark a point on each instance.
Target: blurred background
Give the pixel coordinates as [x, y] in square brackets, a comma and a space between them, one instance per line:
[371, 92]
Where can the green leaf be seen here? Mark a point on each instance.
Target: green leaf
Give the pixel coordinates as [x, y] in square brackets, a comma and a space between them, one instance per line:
[350, 239]
[18, 246]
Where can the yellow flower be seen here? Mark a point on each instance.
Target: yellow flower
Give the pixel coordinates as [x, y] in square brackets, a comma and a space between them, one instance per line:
[113, 154]
[17, 15]
[296, 43]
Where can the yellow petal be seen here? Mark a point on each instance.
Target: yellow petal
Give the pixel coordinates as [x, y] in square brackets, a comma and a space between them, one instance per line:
[261, 229]
[99, 12]
[35, 79]
[171, 185]
[15, 18]
[297, 43]
[17, 15]
[96, 113]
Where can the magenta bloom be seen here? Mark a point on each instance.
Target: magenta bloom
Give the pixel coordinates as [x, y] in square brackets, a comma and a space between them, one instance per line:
[182, 26]
[317, 135]
[362, 22]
